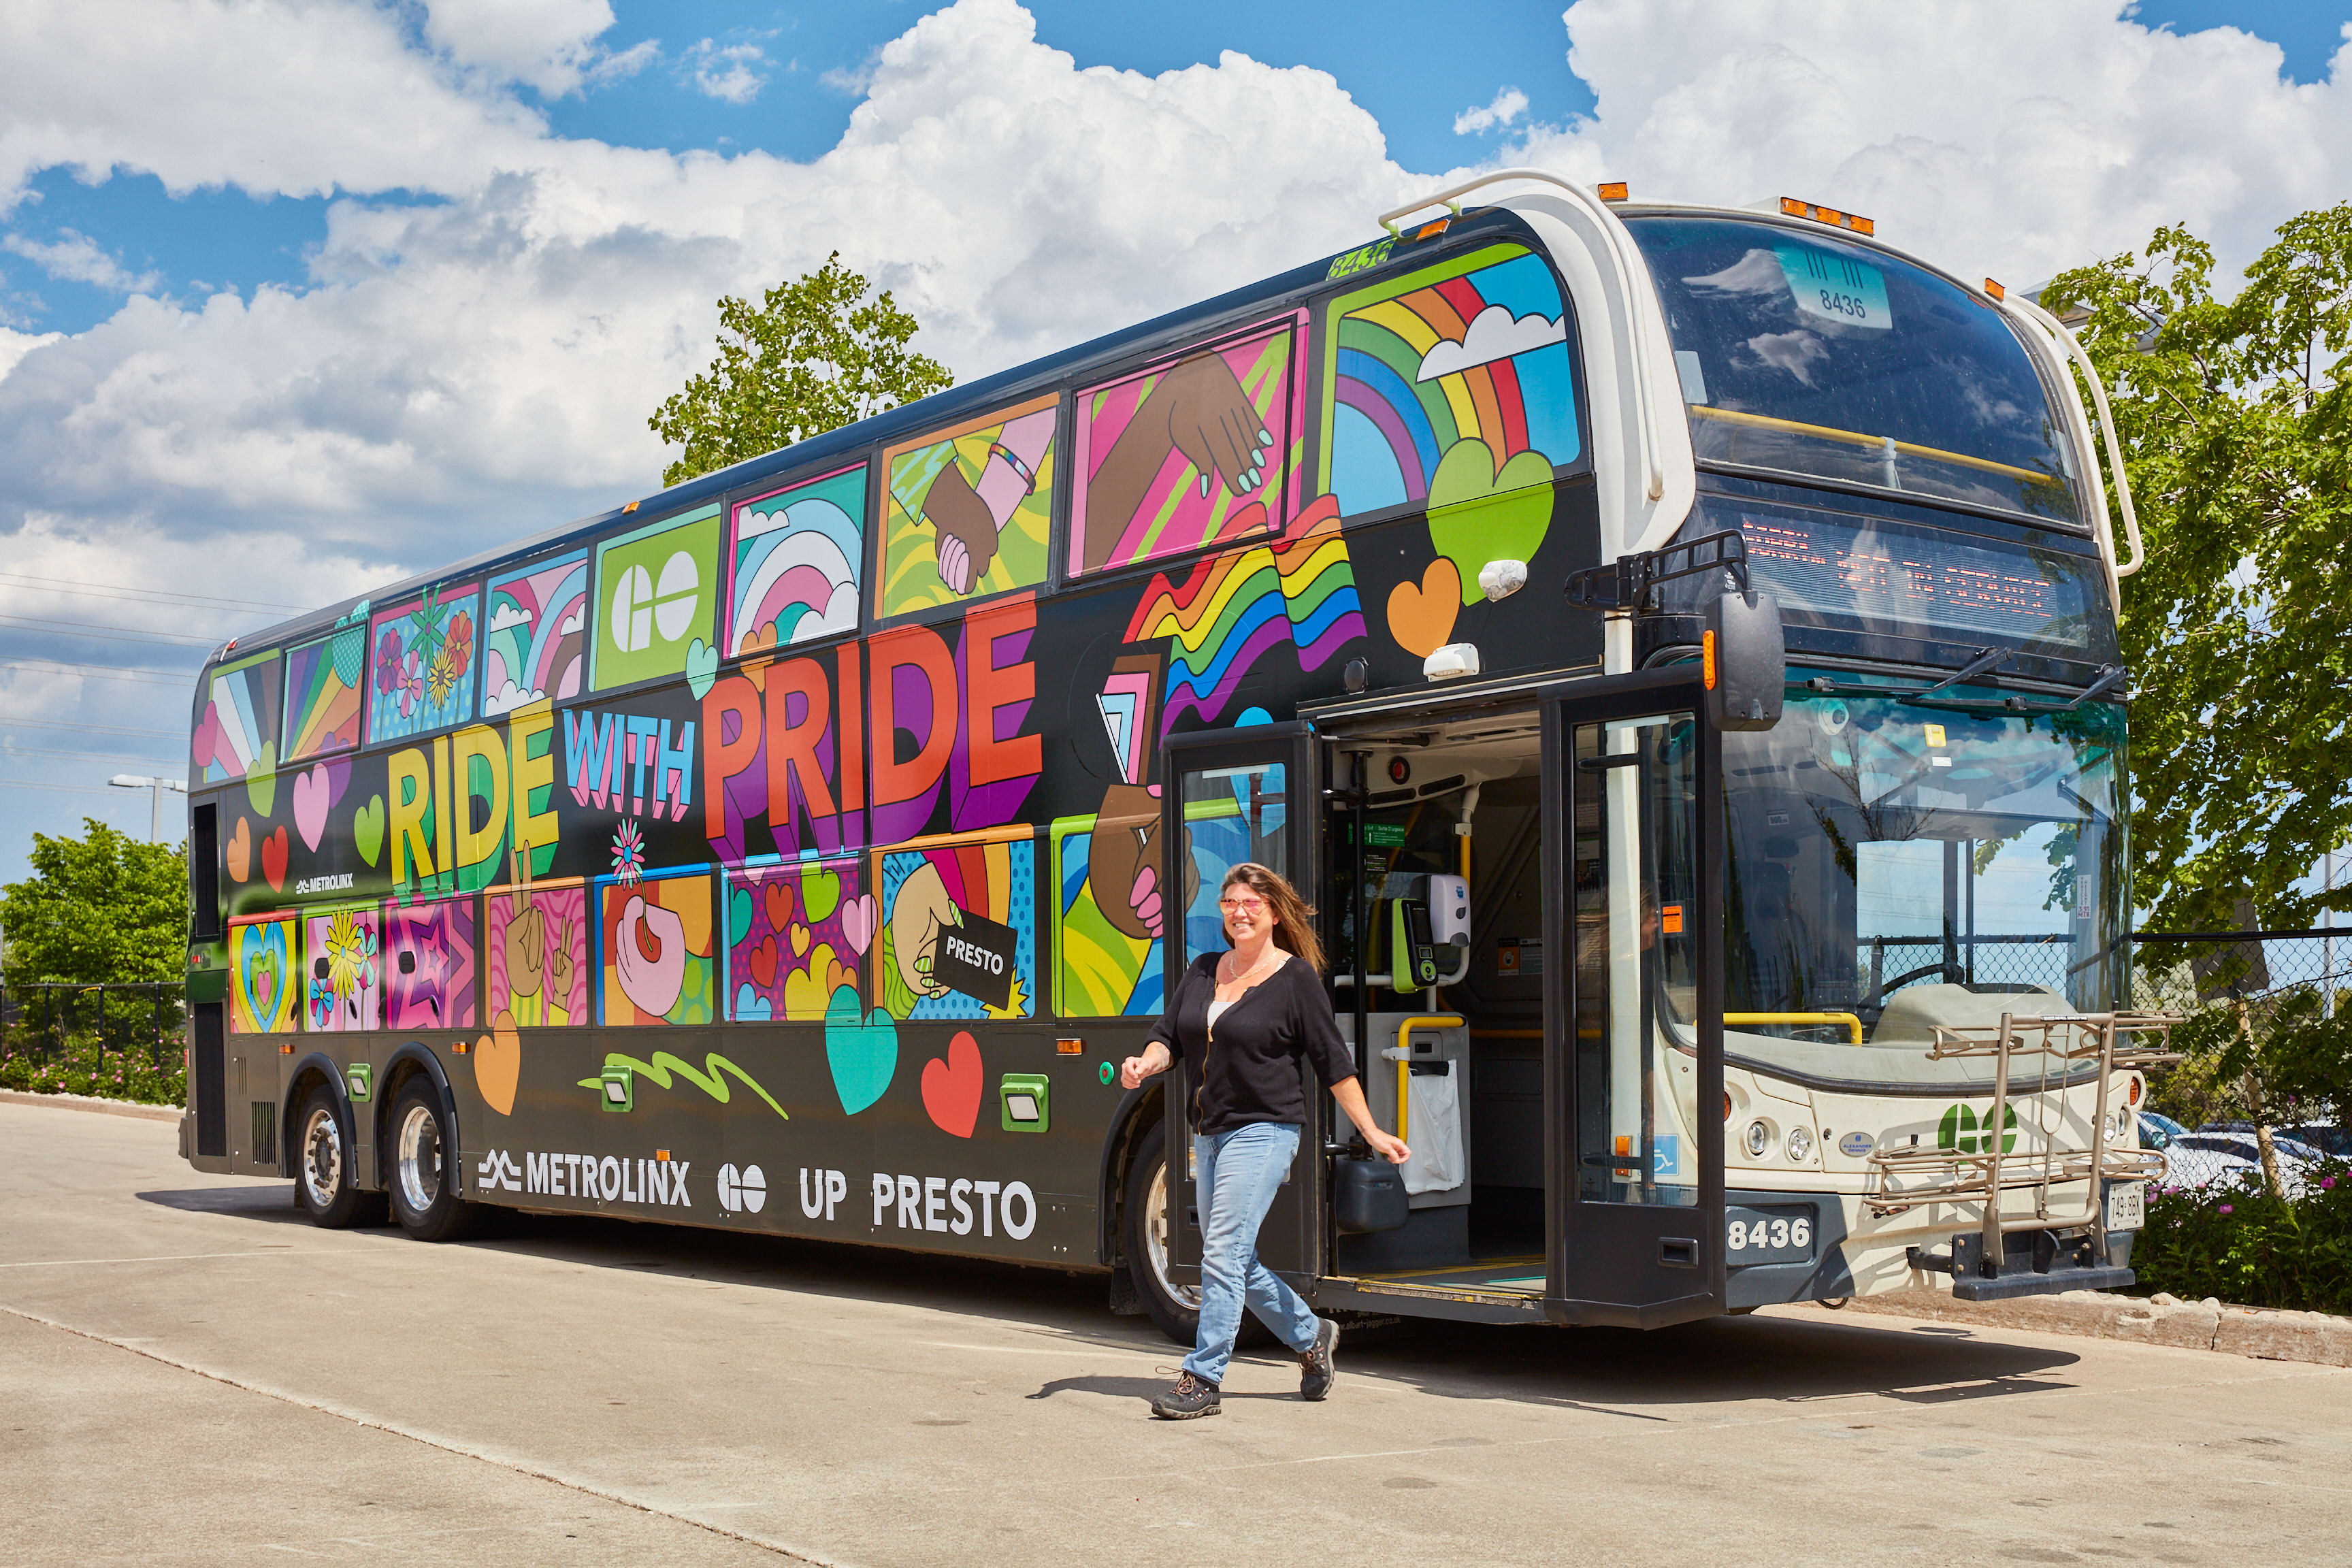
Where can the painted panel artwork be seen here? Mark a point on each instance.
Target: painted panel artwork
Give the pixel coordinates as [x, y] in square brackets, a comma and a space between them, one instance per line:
[1196, 450]
[657, 602]
[346, 975]
[238, 732]
[428, 965]
[265, 977]
[969, 508]
[958, 931]
[536, 949]
[1109, 911]
[655, 943]
[795, 934]
[322, 694]
[421, 663]
[1453, 385]
[794, 561]
[535, 642]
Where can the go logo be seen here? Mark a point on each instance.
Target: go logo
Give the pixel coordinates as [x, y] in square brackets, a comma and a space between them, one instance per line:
[1960, 1134]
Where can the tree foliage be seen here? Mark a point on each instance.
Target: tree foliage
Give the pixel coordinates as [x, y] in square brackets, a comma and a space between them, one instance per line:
[2236, 417]
[103, 908]
[814, 355]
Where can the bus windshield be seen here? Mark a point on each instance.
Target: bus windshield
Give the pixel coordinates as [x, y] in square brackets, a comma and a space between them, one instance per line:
[1895, 866]
[1806, 353]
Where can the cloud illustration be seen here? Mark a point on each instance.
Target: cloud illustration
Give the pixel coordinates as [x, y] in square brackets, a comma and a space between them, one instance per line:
[1495, 333]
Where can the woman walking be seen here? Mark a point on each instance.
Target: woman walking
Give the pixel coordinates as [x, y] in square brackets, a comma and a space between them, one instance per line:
[1245, 1017]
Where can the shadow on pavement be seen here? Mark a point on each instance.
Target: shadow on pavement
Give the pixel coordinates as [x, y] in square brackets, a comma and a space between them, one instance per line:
[272, 1201]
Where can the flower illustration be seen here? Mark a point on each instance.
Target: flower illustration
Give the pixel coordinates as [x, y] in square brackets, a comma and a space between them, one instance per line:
[388, 661]
[451, 659]
[349, 946]
[629, 853]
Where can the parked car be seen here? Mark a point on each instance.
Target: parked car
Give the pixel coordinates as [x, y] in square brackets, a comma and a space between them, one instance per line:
[2209, 1158]
[2157, 1132]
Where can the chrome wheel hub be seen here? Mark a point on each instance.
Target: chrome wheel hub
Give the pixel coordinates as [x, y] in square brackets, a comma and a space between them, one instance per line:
[322, 1159]
[1155, 1241]
[417, 1161]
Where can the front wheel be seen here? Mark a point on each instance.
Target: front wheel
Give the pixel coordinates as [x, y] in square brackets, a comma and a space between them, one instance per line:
[325, 1167]
[424, 1168]
[1175, 1308]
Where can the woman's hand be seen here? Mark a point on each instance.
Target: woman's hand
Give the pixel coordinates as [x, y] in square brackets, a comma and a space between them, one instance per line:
[1135, 1070]
[1387, 1147]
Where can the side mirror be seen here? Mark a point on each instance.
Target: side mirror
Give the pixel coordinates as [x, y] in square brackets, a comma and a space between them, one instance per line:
[1744, 660]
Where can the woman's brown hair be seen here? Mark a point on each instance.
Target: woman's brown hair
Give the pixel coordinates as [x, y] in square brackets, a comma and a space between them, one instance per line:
[1294, 917]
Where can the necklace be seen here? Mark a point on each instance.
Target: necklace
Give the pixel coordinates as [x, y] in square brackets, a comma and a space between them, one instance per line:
[1237, 977]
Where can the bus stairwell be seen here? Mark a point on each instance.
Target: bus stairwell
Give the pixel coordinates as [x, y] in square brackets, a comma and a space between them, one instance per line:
[2065, 1243]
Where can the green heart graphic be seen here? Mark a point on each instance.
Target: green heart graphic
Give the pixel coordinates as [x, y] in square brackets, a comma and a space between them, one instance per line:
[261, 779]
[821, 891]
[367, 829]
[738, 916]
[863, 1054]
[701, 667]
[1477, 515]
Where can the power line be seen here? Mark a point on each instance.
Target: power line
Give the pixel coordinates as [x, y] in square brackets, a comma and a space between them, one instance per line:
[100, 630]
[116, 591]
[67, 789]
[86, 729]
[92, 757]
[104, 672]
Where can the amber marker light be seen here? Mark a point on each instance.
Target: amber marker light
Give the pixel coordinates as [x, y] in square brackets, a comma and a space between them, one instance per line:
[1791, 207]
[1706, 658]
[1431, 229]
[1611, 190]
[1070, 1047]
[630, 508]
[1993, 287]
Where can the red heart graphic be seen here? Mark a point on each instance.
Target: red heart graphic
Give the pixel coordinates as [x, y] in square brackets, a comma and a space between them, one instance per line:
[763, 963]
[780, 904]
[952, 1088]
[273, 859]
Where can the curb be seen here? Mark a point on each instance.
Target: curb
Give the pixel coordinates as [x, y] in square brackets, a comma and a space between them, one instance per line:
[90, 1102]
[2315, 1338]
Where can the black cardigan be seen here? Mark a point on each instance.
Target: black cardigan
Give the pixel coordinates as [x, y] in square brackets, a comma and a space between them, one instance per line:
[1248, 1069]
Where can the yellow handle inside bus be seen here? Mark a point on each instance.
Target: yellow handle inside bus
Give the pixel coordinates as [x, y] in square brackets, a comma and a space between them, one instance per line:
[1851, 1023]
[1404, 1052]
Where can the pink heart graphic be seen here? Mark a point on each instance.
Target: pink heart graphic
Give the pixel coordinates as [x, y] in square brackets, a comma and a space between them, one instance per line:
[858, 921]
[208, 736]
[951, 1088]
[314, 793]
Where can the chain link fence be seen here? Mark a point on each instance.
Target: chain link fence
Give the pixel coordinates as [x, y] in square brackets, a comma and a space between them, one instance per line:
[47, 1021]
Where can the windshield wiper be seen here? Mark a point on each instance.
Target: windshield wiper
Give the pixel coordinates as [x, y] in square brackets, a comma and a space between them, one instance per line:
[2109, 678]
[1985, 660]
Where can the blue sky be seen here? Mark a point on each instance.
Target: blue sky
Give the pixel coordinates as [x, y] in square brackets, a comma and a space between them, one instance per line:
[416, 289]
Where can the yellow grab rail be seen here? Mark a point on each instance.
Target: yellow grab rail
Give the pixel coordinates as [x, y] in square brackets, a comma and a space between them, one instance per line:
[1875, 443]
[1853, 1024]
[1404, 1057]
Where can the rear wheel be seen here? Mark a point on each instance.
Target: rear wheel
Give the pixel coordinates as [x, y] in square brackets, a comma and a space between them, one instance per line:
[326, 1168]
[1175, 1308]
[424, 1168]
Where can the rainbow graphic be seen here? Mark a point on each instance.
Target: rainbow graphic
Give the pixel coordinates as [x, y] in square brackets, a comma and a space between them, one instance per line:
[240, 719]
[1475, 348]
[795, 555]
[1232, 608]
[322, 694]
[537, 636]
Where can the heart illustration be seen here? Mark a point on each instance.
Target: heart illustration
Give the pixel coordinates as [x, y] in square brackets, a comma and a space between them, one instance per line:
[862, 1052]
[750, 1007]
[238, 851]
[820, 895]
[739, 915]
[498, 1064]
[312, 796]
[952, 1088]
[1421, 615]
[778, 896]
[1478, 514]
[763, 963]
[273, 859]
[261, 779]
[806, 991]
[206, 742]
[799, 939]
[367, 828]
[858, 920]
[702, 665]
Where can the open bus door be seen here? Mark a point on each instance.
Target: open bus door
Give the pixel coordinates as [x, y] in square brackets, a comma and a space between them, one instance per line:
[1228, 796]
[1632, 890]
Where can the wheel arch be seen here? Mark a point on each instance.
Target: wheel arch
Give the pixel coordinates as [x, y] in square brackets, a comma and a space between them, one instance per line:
[1137, 1110]
[411, 1060]
[313, 1068]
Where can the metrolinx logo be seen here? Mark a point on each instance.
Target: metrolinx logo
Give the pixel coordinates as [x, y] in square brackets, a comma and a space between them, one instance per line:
[1960, 1132]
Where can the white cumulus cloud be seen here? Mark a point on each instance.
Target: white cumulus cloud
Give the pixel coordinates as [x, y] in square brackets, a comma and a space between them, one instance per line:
[729, 72]
[549, 44]
[1494, 333]
[76, 258]
[1508, 105]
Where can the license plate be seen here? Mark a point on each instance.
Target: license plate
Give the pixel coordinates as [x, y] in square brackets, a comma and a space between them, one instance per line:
[1767, 1236]
[2128, 1205]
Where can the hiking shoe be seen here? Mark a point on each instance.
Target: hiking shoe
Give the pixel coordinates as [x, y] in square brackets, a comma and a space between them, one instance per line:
[1191, 1398]
[1315, 1370]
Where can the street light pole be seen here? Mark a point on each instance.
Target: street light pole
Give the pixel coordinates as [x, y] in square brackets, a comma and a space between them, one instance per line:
[133, 780]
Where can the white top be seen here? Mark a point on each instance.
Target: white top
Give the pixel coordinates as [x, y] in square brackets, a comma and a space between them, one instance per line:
[1216, 1007]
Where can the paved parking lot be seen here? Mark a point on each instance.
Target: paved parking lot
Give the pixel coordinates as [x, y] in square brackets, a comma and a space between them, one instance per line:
[190, 1373]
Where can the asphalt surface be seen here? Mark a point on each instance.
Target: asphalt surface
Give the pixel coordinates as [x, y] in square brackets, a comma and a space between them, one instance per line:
[191, 1373]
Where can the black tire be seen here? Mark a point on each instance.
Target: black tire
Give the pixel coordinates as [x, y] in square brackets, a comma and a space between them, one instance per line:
[424, 1167]
[1176, 1309]
[326, 1166]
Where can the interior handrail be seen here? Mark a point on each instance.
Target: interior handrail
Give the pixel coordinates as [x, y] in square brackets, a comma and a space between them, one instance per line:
[1851, 1021]
[2021, 306]
[1864, 439]
[1621, 246]
[1402, 1054]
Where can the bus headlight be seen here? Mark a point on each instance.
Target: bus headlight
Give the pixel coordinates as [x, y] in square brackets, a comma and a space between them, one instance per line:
[1759, 1138]
[1801, 1144]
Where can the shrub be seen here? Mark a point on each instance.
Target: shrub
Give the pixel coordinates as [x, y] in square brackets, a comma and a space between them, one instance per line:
[80, 1067]
[2236, 1242]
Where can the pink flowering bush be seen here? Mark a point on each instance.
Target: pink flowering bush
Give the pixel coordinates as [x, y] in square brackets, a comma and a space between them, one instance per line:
[2236, 1242]
[80, 1069]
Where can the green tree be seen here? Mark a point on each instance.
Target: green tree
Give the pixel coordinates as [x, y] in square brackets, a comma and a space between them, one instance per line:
[101, 907]
[816, 355]
[2236, 417]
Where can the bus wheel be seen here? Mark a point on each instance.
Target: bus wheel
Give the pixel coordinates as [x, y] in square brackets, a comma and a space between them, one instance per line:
[424, 1169]
[1175, 1308]
[325, 1174]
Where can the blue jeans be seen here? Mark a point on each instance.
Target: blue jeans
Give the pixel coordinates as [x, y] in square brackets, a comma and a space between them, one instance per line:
[1236, 1175]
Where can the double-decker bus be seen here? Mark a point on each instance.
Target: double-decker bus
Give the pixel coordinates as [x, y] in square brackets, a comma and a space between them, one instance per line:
[1674, 646]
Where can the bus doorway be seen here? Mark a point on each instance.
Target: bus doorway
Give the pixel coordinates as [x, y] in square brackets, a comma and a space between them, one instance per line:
[1543, 1052]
